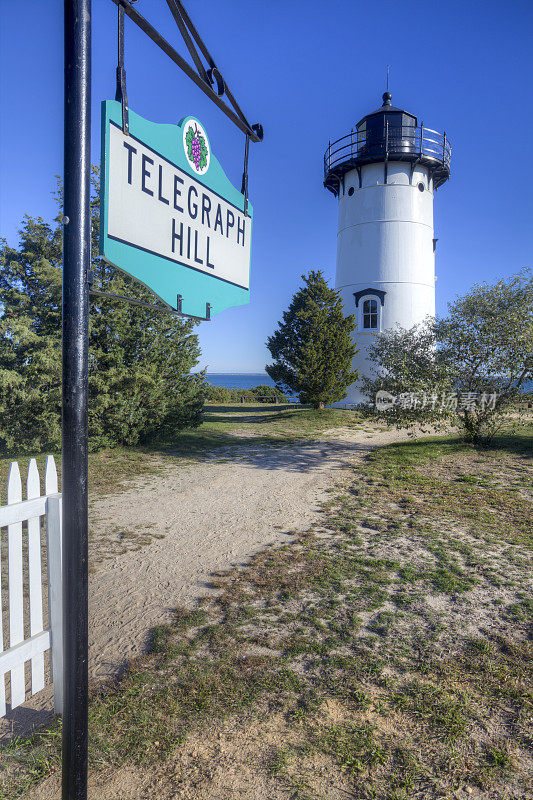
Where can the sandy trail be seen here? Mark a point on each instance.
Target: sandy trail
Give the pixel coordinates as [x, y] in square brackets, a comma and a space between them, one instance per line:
[213, 514]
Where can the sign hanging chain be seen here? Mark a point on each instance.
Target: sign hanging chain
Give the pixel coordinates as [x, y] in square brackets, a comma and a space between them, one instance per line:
[244, 186]
[121, 94]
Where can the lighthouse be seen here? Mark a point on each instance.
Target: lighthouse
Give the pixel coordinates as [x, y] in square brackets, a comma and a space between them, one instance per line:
[385, 173]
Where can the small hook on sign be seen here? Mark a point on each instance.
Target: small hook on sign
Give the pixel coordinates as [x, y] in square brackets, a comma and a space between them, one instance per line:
[215, 77]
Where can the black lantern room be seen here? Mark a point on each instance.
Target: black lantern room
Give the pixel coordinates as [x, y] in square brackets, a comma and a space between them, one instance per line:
[388, 128]
[387, 134]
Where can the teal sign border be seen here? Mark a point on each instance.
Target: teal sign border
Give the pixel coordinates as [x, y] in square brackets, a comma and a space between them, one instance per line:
[164, 277]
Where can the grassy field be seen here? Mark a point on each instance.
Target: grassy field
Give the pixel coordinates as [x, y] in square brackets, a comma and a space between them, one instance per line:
[383, 654]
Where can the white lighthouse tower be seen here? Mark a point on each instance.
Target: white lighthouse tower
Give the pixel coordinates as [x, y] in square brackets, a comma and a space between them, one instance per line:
[385, 173]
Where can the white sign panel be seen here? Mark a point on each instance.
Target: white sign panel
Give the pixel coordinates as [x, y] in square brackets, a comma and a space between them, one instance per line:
[157, 207]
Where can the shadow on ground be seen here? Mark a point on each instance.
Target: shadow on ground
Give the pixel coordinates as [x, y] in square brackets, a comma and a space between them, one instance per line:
[520, 444]
[300, 457]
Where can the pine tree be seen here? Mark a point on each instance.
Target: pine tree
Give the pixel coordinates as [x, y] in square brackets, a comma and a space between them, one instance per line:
[30, 339]
[312, 347]
[139, 360]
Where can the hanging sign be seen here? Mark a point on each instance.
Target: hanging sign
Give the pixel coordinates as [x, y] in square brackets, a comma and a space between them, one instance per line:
[169, 215]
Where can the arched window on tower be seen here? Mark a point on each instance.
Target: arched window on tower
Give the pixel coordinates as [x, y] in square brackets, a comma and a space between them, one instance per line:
[369, 304]
[370, 314]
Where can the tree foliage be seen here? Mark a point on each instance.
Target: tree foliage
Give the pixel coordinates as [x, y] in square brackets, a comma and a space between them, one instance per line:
[468, 367]
[139, 360]
[312, 348]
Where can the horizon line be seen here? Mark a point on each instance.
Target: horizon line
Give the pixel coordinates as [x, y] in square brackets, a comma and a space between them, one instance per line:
[238, 372]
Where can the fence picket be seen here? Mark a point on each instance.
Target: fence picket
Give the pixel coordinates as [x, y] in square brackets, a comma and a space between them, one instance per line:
[13, 516]
[55, 593]
[2, 675]
[15, 591]
[50, 476]
[35, 578]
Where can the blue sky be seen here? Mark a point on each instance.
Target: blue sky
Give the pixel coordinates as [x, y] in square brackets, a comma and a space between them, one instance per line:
[307, 71]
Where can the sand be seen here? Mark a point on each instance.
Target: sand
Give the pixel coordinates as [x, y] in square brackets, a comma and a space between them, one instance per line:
[211, 514]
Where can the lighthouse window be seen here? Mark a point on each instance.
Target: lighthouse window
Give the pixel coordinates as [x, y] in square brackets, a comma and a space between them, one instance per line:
[421, 187]
[370, 314]
[351, 190]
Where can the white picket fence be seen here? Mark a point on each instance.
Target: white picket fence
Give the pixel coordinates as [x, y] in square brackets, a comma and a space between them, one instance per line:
[28, 638]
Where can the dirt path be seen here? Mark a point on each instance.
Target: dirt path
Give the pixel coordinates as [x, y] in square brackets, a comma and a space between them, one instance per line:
[173, 531]
[213, 515]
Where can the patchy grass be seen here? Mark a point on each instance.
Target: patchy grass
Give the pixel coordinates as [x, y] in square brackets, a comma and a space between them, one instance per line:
[109, 470]
[222, 427]
[263, 424]
[384, 654]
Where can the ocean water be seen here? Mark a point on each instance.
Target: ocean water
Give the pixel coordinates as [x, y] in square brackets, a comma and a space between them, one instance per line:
[247, 380]
[237, 380]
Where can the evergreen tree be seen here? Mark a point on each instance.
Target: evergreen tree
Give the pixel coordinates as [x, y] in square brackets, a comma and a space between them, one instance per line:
[312, 347]
[139, 360]
[30, 339]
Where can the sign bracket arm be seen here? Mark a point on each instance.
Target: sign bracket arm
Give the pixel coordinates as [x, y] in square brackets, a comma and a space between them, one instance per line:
[177, 13]
[255, 132]
[214, 72]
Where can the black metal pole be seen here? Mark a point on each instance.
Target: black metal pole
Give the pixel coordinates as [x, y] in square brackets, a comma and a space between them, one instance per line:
[76, 263]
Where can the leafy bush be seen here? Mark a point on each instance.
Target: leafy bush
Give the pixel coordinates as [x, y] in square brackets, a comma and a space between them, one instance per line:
[468, 367]
[257, 394]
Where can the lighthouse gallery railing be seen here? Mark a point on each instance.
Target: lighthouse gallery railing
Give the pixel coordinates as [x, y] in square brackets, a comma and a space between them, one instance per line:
[407, 141]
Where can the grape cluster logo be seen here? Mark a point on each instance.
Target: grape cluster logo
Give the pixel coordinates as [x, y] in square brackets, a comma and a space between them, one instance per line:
[196, 146]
